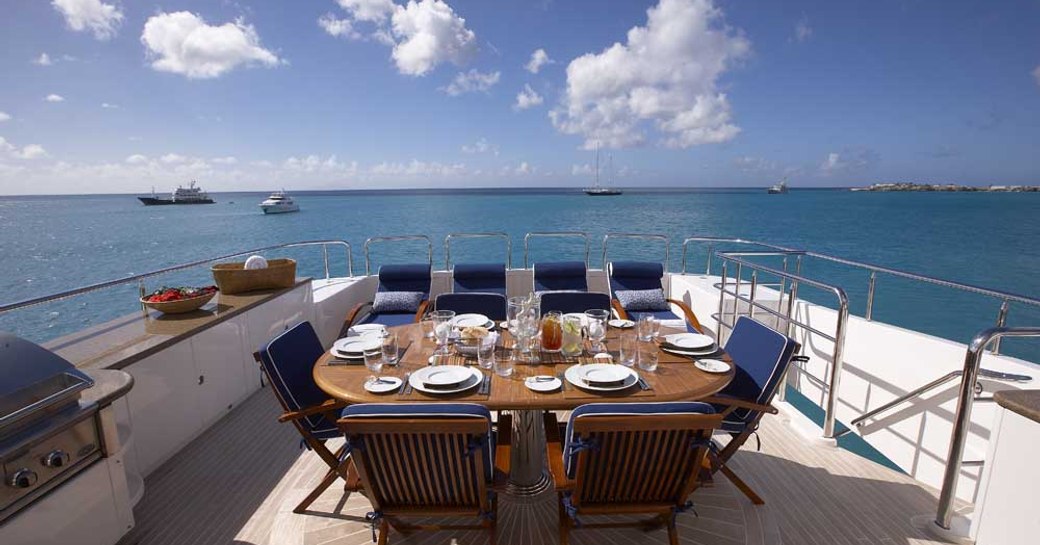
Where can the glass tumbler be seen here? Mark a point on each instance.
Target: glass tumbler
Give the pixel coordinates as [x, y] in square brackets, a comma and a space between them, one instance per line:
[442, 328]
[647, 326]
[504, 364]
[390, 347]
[572, 336]
[648, 356]
[629, 349]
[486, 351]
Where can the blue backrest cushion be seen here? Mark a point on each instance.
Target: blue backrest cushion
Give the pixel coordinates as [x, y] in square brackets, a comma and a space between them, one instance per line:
[407, 277]
[431, 410]
[560, 275]
[635, 275]
[761, 355]
[573, 301]
[482, 277]
[288, 360]
[645, 300]
[492, 305]
[570, 462]
[387, 302]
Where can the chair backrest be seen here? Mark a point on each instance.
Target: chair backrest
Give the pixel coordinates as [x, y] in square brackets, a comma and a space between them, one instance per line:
[407, 277]
[662, 445]
[573, 301]
[492, 305]
[482, 277]
[762, 356]
[560, 275]
[635, 275]
[288, 361]
[412, 456]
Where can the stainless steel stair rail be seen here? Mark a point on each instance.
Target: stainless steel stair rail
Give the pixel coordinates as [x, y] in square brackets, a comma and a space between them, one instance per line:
[138, 277]
[556, 234]
[962, 418]
[642, 236]
[453, 236]
[397, 238]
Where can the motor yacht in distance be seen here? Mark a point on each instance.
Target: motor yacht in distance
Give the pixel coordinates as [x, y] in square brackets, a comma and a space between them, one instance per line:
[778, 188]
[279, 202]
[182, 195]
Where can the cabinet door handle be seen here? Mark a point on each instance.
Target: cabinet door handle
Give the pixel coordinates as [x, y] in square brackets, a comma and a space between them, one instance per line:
[202, 379]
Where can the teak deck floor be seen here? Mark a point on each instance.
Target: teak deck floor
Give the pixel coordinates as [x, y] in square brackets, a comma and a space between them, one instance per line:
[238, 483]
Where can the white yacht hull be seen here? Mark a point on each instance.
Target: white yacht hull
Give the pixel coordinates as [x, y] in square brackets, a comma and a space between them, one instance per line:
[279, 208]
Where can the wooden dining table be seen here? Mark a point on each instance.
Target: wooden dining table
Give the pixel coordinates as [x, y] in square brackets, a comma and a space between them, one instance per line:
[675, 379]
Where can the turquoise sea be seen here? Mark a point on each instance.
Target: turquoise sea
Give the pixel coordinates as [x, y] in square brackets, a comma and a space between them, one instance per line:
[51, 244]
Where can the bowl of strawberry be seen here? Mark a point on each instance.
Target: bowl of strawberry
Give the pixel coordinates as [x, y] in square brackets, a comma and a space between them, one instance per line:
[178, 300]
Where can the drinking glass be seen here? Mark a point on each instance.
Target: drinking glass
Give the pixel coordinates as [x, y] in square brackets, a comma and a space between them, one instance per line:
[572, 336]
[442, 329]
[597, 325]
[629, 350]
[648, 356]
[374, 363]
[552, 331]
[647, 326]
[486, 351]
[528, 325]
[504, 365]
[427, 326]
[390, 354]
[513, 309]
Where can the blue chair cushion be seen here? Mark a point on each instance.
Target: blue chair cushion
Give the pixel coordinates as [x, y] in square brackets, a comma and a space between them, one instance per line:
[482, 277]
[762, 356]
[651, 299]
[431, 410]
[662, 315]
[288, 361]
[408, 277]
[570, 462]
[573, 301]
[389, 319]
[634, 275]
[492, 305]
[397, 301]
[561, 275]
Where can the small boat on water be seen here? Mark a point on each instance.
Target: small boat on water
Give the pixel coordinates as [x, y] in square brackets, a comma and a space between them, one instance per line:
[182, 195]
[279, 202]
[598, 190]
[778, 188]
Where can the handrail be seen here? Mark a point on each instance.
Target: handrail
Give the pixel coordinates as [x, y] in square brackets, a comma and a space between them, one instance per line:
[138, 277]
[686, 243]
[396, 238]
[584, 236]
[962, 418]
[651, 236]
[448, 239]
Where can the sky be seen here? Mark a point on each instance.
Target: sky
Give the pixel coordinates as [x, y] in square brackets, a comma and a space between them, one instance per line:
[111, 96]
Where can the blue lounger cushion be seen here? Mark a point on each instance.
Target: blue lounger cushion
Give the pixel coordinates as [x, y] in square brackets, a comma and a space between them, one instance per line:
[397, 301]
[761, 355]
[407, 277]
[288, 361]
[481, 277]
[570, 462]
[635, 275]
[492, 305]
[431, 410]
[390, 319]
[560, 275]
[573, 301]
[642, 300]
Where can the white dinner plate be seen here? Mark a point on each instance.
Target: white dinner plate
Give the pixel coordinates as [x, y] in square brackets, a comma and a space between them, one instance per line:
[712, 366]
[543, 385]
[621, 324]
[443, 376]
[355, 346]
[680, 352]
[385, 384]
[689, 341]
[417, 382]
[471, 320]
[573, 376]
[367, 329]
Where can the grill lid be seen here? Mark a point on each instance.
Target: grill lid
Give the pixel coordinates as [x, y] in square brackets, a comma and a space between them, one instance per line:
[33, 380]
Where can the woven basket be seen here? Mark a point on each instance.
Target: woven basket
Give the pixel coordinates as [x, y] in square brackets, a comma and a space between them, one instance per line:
[234, 278]
[181, 306]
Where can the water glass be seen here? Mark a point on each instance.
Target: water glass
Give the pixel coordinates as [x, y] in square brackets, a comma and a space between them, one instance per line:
[390, 354]
[374, 363]
[597, 325]
[648, 356]
[629, 350]
[648, 327]
[486, 351]
[572, 336]
[442, 328]
[427, 326]
[513, 309]
[504, 364]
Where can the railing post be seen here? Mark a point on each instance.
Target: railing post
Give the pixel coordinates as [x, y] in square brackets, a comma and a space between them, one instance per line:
[325, 254]
[736, 299]
[722, 305]
[1001, 322]
[707, 270]
[783, 288]
[754, 287]
[870, 295]
[829, 417]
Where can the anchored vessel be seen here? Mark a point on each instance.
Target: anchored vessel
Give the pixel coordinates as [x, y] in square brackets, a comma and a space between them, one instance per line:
[182, 195]
[279, 202]
[949, 428]
[598, 190]
[778, 188]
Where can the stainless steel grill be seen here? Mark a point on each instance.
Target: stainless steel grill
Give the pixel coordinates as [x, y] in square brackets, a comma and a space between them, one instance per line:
[47, 434]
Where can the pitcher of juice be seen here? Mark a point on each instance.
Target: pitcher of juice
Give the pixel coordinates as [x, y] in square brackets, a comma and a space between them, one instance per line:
[571, 328]
[552, 331]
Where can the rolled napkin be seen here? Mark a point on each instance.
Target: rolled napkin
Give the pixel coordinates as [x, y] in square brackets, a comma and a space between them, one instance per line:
[256, 262]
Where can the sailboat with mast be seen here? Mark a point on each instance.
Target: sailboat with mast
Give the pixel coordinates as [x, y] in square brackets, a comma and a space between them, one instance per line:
[598, 190]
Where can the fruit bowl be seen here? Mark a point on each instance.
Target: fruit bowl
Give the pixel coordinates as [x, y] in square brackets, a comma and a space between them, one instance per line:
[178, 300]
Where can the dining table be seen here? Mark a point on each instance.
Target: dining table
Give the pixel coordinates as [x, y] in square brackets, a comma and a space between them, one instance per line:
[676, 378]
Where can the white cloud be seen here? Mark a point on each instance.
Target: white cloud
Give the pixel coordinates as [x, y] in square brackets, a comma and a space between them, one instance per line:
[340, 28]
[665, 75]
[54, 98]
[137, 159]
[527, 98]
[182, 43]
[1036, 74]
[480, 146]
[524, 169]
[418, 168]
[100, 18]
[471, 82]
[109, 106]
[229, 160]
[173, 158]
[31, 151]
[4, 116]
[802, 30]
[314, 163]
[582, 170]
[848, 161]
[375, 11]
[538, 59]
[43, 60]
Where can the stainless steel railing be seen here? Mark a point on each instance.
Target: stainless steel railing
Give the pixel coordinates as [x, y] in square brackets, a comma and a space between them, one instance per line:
[139, 277]
[556, 234]
[397, 238]
[454, 236]
[714, 241]
[642, 236]
[962, 418]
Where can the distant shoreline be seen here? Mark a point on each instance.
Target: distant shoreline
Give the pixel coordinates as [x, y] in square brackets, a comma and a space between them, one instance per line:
[907, 186]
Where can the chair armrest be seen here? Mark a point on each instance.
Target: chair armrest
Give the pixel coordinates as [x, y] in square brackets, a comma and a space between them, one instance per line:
[503, 449]
[353, 315]
[326, 406]
[620, 310]
[554, 452]
[733, 404]
[688, 312]
[421, 311]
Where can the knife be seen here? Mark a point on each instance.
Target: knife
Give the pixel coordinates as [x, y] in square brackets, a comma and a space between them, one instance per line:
[407, 388]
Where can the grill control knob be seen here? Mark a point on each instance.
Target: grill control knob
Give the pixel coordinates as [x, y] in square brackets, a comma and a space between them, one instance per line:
[23, 478]
[56, 458]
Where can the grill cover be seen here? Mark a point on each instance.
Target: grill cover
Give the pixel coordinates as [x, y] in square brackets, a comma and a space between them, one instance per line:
[33, 380]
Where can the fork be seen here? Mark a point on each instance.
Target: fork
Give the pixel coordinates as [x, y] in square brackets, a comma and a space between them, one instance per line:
[407, 387]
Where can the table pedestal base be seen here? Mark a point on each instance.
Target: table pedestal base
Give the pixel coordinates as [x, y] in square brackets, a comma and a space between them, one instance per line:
[527, 473]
